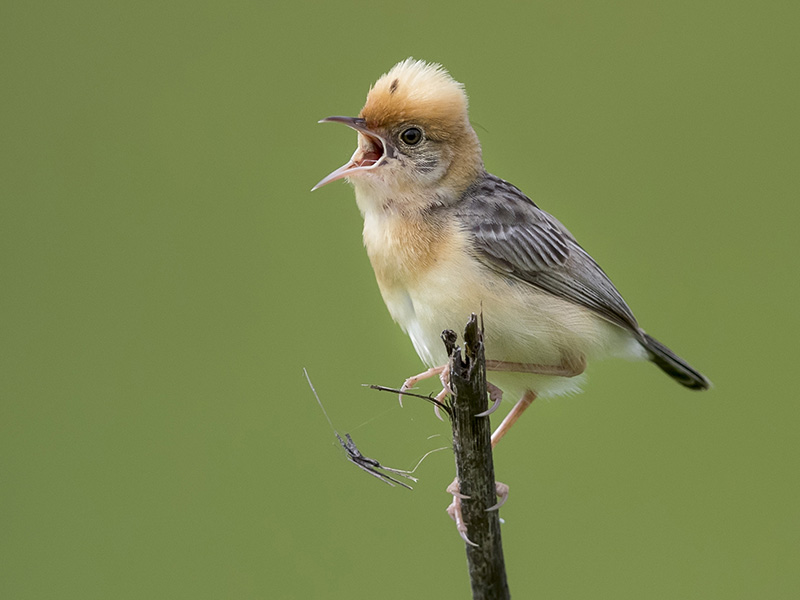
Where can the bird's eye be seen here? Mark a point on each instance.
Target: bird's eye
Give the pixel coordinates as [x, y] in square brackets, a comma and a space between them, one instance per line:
[411, 136]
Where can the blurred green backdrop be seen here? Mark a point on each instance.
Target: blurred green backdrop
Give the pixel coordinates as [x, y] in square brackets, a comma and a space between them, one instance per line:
[167, 274]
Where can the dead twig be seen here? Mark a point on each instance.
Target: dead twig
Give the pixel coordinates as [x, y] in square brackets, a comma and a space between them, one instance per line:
[428, 398]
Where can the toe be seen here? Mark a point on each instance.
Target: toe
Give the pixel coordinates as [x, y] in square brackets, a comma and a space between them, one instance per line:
[496, 396]
[502, 493]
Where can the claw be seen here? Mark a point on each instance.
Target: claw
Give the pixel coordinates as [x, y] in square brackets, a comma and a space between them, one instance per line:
[440, 399]
[502, 493]
[496, 396]
[454, 510]
[453, 490]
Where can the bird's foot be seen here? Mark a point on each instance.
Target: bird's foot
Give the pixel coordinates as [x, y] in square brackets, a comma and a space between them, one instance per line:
[444, 376]
[495, 393]
[454, 510]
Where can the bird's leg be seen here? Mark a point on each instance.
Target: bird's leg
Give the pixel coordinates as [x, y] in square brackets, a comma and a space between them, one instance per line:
[511, 418]
[454, 510]
[413, 380]
[501, 488]
[495, 393]
[444, 376]
[567, 368]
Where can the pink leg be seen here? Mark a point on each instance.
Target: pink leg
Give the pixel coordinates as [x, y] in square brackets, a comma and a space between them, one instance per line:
[565, 369]
[454, 510]
[443, 372]
[512, 417]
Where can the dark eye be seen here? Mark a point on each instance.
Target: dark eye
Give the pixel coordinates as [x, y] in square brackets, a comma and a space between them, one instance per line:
[411, 136]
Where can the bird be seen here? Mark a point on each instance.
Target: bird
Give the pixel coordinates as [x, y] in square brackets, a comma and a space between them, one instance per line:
[447, 239]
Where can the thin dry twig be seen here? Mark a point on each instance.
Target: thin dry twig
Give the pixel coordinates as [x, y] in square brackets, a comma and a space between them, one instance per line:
[428, 398]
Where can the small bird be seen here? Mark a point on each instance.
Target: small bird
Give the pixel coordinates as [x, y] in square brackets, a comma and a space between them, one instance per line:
[447, 239]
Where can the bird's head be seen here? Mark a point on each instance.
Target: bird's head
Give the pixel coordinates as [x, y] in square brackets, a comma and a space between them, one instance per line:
[414, 135]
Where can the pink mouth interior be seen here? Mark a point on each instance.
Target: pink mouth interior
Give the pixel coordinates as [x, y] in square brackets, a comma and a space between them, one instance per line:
[373, 154]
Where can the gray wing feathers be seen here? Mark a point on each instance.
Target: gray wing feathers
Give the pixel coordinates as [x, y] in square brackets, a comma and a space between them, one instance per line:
[534, 246]
[582, 281]
[513, 235]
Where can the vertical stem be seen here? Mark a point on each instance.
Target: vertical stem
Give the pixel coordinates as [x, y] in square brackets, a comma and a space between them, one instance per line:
[474, 467]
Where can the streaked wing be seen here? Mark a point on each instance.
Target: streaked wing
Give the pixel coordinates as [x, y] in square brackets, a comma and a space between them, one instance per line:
[511, 234]
[529, 247]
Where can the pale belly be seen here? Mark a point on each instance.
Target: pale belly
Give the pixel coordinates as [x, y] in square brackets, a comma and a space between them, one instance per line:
[430, 284]
[522, 325]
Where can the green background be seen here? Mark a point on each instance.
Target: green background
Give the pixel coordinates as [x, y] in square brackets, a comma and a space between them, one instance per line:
[166, 275]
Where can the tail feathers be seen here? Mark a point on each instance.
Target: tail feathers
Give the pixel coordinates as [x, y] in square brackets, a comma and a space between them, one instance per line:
[673, 365]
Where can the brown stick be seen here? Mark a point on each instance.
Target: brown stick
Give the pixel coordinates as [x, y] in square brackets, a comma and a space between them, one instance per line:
[474, 466]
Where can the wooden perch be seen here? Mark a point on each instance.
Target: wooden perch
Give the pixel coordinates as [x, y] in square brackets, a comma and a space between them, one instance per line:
[474, 467]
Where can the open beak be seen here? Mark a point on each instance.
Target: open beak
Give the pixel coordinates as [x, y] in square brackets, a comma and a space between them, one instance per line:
[372, 150]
